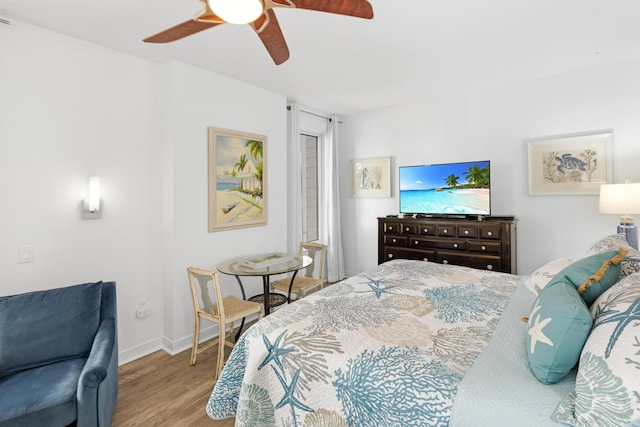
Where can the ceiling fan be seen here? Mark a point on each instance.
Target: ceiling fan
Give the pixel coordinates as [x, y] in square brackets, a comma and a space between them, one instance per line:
[265, 24]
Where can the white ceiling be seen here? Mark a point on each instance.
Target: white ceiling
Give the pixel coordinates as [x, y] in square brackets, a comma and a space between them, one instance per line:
[410, 50]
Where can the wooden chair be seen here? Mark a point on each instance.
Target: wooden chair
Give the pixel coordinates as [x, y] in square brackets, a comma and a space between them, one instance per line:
[308, 279]
[209, 304]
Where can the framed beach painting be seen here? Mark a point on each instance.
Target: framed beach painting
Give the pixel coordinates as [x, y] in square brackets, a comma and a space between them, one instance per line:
[571, 164]
[237, 179]
[371, 177]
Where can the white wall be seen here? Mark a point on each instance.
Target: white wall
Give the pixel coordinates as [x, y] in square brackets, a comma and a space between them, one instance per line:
[492, 125]
[197, 99]
[70, 109]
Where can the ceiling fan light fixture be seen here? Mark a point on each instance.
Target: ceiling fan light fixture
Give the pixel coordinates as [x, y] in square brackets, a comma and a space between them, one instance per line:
[237, 11]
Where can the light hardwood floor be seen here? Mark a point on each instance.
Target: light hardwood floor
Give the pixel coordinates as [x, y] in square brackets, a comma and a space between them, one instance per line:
[163, 390]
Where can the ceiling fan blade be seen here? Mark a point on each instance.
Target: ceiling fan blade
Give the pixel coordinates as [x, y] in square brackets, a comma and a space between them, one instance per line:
[180, 31]
[203, 20]
[356, 8]
[268, 29]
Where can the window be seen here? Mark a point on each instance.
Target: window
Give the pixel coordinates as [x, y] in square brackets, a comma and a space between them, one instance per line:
[309, 156]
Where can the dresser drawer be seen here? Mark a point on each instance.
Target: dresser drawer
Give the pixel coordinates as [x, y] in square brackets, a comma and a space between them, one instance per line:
[490, 232]
[392, 228]
[447, 230]
[452, 244]
[467, 231]
[483, 262]
[403, 253]
[484, 246]
[409, 229]
[393, 240]
[427, 229]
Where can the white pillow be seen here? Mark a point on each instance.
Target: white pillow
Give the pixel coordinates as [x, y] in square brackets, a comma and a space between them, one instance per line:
[608, 380]
[629, 265]
[539, 278]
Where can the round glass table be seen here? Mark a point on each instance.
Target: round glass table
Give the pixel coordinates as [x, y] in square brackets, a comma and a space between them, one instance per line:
[237, 267]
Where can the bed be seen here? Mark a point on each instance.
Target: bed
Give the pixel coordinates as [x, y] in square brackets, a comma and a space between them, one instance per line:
[407, 343]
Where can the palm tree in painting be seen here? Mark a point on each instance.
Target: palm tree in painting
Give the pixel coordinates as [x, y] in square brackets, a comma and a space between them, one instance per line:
[241, 163]
[258, 175]
[452, 180]
[239, 166]
[255, 148]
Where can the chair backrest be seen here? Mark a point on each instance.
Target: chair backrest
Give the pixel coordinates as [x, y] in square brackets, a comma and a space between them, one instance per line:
[205, 291]
[317, 252]
[41, 327]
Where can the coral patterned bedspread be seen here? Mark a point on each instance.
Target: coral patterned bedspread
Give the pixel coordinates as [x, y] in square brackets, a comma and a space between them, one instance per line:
[387, 347]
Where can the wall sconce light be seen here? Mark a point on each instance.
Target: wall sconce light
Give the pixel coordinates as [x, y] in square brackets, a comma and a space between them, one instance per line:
[91, 205]
[622, 199]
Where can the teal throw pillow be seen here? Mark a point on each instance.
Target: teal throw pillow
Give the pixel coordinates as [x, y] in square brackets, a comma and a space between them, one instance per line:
[593, 275]
[557, 329]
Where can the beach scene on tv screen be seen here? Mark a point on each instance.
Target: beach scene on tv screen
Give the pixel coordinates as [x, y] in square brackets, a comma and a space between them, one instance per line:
[454, 188]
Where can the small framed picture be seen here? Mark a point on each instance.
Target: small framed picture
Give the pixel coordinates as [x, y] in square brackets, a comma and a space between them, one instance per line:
[371, 177]
[571, 164]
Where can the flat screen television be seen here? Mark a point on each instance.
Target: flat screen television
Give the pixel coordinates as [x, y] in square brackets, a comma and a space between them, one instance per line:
[449, 189]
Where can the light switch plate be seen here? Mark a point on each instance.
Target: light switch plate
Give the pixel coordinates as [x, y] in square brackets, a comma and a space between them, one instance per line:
[25, 254]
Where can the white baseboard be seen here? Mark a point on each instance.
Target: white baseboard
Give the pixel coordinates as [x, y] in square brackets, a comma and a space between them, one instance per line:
[169, 346]
[182, 344]
[139, 351]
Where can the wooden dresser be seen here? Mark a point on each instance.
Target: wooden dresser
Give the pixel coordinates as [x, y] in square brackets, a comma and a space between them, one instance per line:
[489, 244]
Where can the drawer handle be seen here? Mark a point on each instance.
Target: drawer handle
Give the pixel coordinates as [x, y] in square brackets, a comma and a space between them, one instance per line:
[416, 242]
[406, 229]
[455, 245]
[444, 261]
[489, 267]
[466, 231]
[425, 259]
[483, 247]
[426, 230]
[445, 231]
[490, 233]
[394, 240]
[390, 256]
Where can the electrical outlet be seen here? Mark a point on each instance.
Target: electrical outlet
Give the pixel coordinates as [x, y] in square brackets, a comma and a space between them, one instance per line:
[143, 308]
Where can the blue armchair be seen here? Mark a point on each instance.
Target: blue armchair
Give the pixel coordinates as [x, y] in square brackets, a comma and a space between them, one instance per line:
[59, 357]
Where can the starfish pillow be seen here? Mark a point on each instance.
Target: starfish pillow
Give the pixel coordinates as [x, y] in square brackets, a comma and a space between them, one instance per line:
[557, 329]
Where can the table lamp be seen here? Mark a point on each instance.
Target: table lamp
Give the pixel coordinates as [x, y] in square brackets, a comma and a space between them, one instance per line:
[622, 199]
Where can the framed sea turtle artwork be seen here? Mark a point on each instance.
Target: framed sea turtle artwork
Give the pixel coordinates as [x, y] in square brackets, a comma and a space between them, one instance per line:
[237, 179]
[570, 164]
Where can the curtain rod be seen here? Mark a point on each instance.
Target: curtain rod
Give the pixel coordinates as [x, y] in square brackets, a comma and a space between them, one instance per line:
[313, 114]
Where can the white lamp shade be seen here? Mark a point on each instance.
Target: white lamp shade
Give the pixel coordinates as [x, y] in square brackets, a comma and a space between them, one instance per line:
[237, 11]
[620, 199]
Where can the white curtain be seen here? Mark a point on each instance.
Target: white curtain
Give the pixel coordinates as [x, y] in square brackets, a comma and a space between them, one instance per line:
[329, 186]
[329, 202]
[294, 174]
